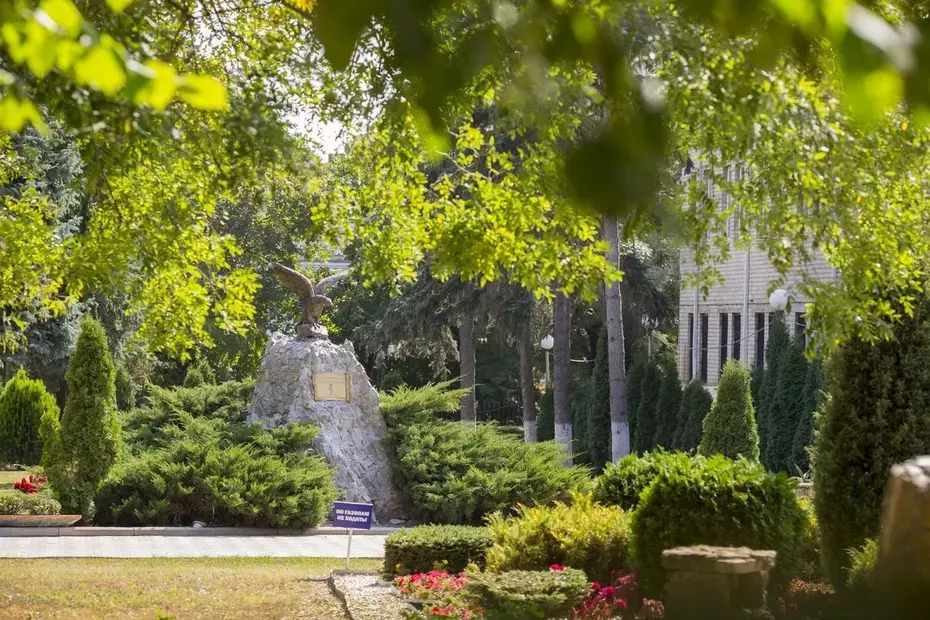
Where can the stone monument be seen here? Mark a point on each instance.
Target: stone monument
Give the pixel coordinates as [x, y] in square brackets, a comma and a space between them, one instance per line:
[902, 573]
[310, 379]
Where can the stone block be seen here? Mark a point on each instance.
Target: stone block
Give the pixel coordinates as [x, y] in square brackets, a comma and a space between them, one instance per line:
[352, 434]
[715, 582]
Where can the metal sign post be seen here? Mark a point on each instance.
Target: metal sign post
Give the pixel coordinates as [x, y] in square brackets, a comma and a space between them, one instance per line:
[352, 516]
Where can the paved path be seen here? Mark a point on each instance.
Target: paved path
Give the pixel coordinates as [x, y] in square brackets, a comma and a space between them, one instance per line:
[322, 546]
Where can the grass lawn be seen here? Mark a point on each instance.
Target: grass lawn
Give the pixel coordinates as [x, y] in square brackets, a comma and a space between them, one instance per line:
[182, 588]
[9, 478]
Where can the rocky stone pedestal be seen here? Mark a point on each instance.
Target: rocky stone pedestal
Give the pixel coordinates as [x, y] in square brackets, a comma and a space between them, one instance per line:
[705, 582]
[353, 433]
[902, 575]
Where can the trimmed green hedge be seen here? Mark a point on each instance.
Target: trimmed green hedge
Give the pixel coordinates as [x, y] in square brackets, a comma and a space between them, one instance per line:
[423, 548]
[527, 595]
[623, 483]
[16, 503]
[718, 502]
[582, 535]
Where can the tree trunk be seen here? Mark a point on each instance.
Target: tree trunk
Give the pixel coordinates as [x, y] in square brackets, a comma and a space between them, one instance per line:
[562, 374]
[467, 365]
[526, 382]
[616, 356]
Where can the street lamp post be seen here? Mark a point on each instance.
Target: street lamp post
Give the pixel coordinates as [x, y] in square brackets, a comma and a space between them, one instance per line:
[547, 343]
[779, 299]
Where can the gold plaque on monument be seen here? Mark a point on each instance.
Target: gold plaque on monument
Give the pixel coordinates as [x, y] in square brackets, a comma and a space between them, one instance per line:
[330, 386]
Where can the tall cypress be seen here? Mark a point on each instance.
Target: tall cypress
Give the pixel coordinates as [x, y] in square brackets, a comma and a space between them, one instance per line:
[787, 407]
[634, 385]
[667, 409]
[875, 417]
[598, 415]
[89, 441]
[695, 405]
[545, 421]
[778, 341]
[646, 424]
[813, 398]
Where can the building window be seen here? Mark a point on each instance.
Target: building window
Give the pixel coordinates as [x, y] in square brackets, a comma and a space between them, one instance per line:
[760, 339]
[800, 327]
[690, 346]
[724, 340]
[737, 334]
[704, 335]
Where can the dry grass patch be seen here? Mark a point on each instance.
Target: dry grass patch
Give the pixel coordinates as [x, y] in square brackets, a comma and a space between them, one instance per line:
[181, 588]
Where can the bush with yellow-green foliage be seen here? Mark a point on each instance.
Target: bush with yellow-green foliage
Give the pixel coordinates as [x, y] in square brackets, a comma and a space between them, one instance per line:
[582, 535]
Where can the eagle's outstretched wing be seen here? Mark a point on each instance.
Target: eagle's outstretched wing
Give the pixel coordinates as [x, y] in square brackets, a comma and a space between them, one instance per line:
[295, 281]
[323, 286]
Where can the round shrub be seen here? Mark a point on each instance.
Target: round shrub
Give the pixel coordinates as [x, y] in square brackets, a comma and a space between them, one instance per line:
[875, 416]
[582, 535]
[730, 427]
[527, 595]
[424, 548]
[623, 483]
[718, 502]
[16, 503]
[23, 404]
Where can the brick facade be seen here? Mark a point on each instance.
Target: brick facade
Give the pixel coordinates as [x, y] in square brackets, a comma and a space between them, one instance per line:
[721, 330]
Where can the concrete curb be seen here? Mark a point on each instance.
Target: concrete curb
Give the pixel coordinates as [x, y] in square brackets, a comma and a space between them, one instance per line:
[12, 532]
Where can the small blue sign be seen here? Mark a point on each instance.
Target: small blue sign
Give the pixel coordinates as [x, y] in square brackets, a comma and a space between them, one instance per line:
[352, 516]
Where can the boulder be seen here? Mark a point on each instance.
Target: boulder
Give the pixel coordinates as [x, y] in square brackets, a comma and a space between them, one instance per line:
[353, 434]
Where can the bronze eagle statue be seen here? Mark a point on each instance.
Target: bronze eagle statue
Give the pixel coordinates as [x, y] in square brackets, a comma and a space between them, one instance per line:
[313, 301]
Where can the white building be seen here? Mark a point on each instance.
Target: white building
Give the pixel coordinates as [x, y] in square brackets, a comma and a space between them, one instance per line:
[733, 320]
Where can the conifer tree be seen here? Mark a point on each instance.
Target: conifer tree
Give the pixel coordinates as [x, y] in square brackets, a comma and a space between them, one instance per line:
[634, 384]
[813, 398]
[874, 418]
[646, 423]
[730, 427]
[88, 440]
[545, 421]
[787, 408]
[125, 390]
[667, 409]
[23, 404]
[598, 415]
[695, 405]
[778, 341]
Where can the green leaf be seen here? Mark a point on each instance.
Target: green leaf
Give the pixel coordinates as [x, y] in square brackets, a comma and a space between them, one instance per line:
[159, 87]
[102, 69]
[15, 113]
[204, 92]
[118, 6]
[63, 13]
